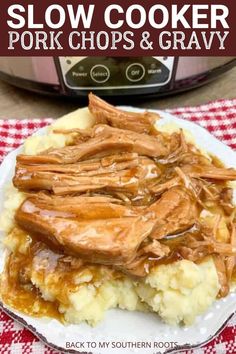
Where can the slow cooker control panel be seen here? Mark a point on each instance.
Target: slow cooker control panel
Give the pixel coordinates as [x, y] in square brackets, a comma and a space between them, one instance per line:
[115, 72]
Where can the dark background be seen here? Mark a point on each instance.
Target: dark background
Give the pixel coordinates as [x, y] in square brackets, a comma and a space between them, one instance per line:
[99, 25]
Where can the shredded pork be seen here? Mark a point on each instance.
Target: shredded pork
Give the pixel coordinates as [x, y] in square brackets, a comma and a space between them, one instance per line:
[125, 195]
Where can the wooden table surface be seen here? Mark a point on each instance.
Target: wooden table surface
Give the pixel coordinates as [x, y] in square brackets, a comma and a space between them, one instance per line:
[17, 103]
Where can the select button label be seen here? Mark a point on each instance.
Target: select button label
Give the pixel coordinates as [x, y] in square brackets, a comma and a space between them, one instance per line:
[100, 73]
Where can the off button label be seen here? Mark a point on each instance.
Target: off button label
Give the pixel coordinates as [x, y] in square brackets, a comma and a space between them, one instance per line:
[100, 73]
[135, 72]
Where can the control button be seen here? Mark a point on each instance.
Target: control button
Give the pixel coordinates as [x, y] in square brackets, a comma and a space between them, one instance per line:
[100, 73]
[135, 72]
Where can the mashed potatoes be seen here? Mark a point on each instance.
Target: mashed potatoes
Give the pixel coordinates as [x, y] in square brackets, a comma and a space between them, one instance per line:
[81, 119]
[13, 199]
[177, 292]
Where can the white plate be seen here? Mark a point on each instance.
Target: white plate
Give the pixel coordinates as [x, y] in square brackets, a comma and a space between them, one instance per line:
[124, 326]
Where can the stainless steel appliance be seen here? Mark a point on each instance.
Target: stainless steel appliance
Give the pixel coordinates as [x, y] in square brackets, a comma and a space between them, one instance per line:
[112, 76]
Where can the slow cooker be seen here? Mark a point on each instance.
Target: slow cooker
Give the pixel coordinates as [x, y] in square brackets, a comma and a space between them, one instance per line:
[112, 76]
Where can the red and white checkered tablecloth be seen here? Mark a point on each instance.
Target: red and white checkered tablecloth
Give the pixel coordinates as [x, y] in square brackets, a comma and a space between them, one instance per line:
[219, 117]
